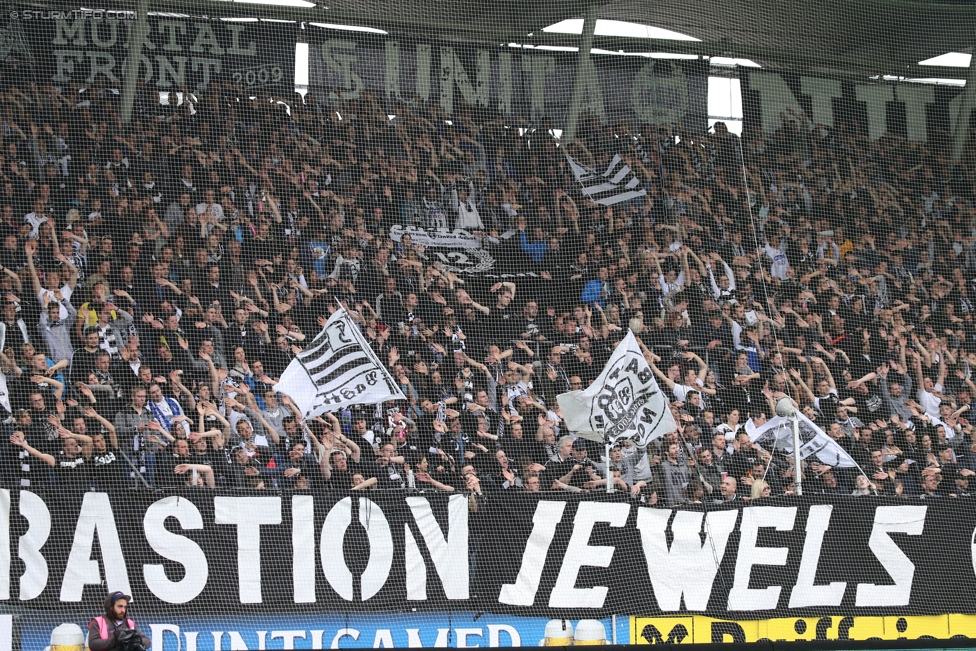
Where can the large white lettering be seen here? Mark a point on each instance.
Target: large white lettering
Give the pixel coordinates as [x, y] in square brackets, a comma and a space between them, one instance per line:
[391, 71]
[176, 548]
[337, 56]
[63, 32]
[538, 68]
[414, 641]
[544, 521]
[453, 74]
[579, 552]
[495, 631]
[688, 568]
[34, 579]
[158, 635]
[891, 519]
[805, 593]
[248, 514]
[235, 42]
[96, 515]
[288, 637]
[775, 97]
[741, 596]
[660, 99]
[822, 94]
[205, 38]
[344, 632]
[876, 100]
[450, 554]
[916, 99]
[380, 548]
[4, 543]
[303, 547]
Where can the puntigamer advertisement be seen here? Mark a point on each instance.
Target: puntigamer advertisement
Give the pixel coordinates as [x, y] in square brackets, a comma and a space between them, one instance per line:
[369, 631]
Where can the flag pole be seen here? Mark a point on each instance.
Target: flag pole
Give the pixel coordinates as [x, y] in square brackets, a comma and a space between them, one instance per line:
[607, 446]
[786, 408]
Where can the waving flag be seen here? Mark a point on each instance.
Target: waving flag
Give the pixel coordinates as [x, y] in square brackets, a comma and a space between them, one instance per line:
[777, 433]
[337, 369]
[624, 402]
[617, 184]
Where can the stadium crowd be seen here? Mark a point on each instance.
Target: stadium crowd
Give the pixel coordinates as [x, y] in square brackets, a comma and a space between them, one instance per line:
[158, 276]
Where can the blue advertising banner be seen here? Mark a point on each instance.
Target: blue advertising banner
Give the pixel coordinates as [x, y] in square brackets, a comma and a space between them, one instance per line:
[399, 630]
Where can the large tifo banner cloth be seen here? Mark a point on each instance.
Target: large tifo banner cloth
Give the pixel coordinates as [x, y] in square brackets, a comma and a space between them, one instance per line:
[921, 112]
[337, 369]
[624, 402]
[200, 552]
[516, 82]
[67, 46]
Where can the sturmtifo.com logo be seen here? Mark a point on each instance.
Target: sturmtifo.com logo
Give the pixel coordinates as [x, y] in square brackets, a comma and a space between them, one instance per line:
[72, 14]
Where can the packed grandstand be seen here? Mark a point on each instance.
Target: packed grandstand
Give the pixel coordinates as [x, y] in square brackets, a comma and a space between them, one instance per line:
[170, 256]
[158, 278]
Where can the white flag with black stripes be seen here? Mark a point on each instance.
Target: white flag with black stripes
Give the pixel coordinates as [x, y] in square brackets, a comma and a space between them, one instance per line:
[618, 183]
[338, 369]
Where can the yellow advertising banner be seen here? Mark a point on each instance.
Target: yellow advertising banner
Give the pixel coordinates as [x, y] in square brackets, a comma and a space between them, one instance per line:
[699, 629]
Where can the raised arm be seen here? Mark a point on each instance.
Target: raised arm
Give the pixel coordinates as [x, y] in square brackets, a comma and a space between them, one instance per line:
[30, 248]
[17, 439]
[355, 452]
[73, 278]
[663, 377]
[795, 374]
[113, 437]
[826, 369]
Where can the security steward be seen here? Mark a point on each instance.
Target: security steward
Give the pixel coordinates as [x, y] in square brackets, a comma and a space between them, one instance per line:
[104, 630]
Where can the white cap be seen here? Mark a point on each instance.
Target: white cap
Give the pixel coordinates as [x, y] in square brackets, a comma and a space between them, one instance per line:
[559, 632]
[590, 631]
[67, 637]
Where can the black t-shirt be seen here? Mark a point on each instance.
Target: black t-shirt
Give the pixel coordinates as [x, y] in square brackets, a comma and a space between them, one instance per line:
[166, 462]
[870, 406]
[309, 469]
[108, 469]
[72, 473]
[389, 476]
[502, 324]
[82, 363]
[828, 405]
[556, 470]
[43, 435]
[340, 480]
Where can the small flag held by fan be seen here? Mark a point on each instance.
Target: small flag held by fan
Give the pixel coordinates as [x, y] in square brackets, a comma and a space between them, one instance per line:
[618, 183]
[337, 369]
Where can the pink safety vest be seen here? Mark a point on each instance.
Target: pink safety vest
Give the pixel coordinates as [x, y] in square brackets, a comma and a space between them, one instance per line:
[103, 625]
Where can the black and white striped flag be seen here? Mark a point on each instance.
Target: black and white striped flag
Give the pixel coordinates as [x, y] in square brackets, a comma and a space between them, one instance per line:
[617, 184]
[338, 369]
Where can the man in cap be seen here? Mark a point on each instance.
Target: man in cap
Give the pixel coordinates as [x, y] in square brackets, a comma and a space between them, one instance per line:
[589, 632]
[105, 630]
[559, 632]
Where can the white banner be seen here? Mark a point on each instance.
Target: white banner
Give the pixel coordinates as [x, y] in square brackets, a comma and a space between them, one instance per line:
[441, 237]
[624, 402]
[777, 433]
[455, 250]
[338, 369]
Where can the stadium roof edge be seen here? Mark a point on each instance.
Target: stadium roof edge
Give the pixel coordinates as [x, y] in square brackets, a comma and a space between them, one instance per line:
[852, 37]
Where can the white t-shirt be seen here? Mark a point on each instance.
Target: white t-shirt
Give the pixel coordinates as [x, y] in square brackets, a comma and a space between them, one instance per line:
[681, 391]
[930, 401]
